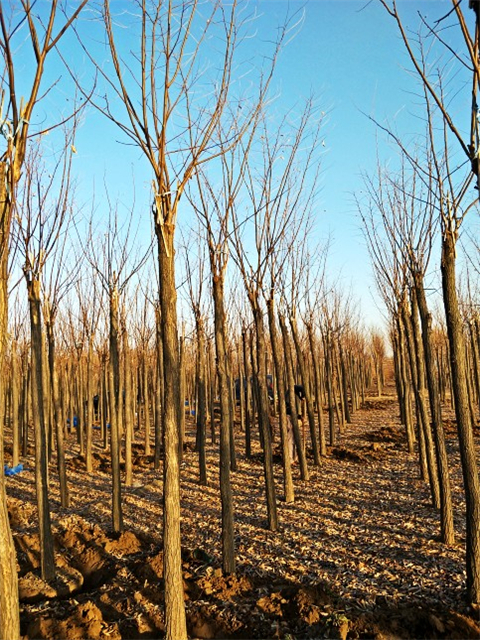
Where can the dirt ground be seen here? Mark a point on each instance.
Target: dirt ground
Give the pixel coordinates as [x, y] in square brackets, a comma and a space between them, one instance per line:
[356, 555]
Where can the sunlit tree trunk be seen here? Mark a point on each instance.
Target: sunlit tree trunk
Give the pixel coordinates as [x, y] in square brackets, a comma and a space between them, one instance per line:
[114, 397]
[471, 480]
[58, 416]
[172, 561]
[302, 460]
[289, 493]
[159, 395]
[306, 387]
[129, 409]
[41, 470]
[228, 533]
[14, 405]
[263, 414]
[201, 408]
[9, 606]
[446, 509]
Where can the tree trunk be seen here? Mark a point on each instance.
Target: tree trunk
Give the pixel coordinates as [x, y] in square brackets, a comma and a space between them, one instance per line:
[446, 509]
[47, 558]
[289, 493]
[330, 392]
[462, 412]
[427, 449]
[306, 387]
[248, 397]
[263, 414]
[228, 533]
[146, 402]
[160, 392]
[176, 628]
[129, 409]
[318, 390]
[201, 407]
[343, 370]
[14, 406]
[302, 460]
[58, 417]
[9, 606]
[181, 409]
[89, 416]
[114, 400]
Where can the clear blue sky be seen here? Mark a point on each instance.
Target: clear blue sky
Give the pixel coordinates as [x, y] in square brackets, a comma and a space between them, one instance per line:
[348, 53]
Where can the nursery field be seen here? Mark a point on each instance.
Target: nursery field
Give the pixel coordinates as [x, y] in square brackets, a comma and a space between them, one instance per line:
[356, 555]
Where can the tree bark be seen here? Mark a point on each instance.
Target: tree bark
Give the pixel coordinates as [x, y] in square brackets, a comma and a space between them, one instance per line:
[176, 628]
[427, 450]
[9, 605]
[302, 460]
[228, 532]
[47, 559]
[263, 413]
[201, 407]
[289, 492]
[462, 412]
[114, 400]
[58, 417]
[446, 509]
[306, 388]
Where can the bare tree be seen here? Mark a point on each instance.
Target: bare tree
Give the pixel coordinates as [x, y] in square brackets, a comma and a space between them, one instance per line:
[159, 87]
[115, 260]
[16, 117]
[196, 285]
[45, 206]
[452, 188]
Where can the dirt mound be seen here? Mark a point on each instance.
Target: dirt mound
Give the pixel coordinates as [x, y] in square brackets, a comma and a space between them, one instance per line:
[386, 434]
[86, 621]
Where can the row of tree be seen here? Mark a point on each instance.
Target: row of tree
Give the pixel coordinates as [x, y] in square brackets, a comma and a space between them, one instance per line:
[407, 213]
[249, 182]
[207, 139]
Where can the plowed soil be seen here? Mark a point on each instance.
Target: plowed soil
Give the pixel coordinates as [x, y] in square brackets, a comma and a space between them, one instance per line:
[357, 555]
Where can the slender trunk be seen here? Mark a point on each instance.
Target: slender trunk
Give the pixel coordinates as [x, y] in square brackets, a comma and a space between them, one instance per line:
[146, 402]
[446, 509]
[289, 493]
[302, 460]
[14, 406]
[263, 414]
[248, 398]
[471, 480]
[58, 418]
[129, 409]
[89, 412]
[181, 408]
[306, 387]
[318, 390]
[228, 532]
[41, 471]
[201, 407]
[343, 370]
[211, 392]
[330, 394]
[160, 391]
[114, 400]
[176, 627]
[231, 402]
[427, 453]
[9, 606]
[403, 382]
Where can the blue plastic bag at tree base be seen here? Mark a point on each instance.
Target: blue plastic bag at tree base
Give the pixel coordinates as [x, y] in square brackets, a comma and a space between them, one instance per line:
[12, 471]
